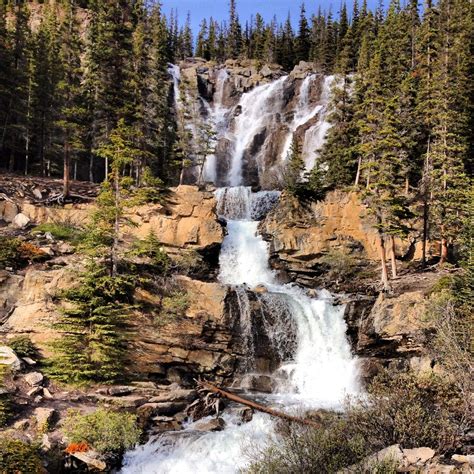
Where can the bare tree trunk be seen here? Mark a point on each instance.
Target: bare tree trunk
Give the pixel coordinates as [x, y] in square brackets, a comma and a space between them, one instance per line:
[426, 208]
[67, 168]
[383, 261]
[443, 251]
[393, 259]
[113, 253]
[91, 167]
[357, 178]
[258, 407]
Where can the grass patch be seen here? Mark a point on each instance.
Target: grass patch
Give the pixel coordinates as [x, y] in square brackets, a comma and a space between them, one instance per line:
[60, 231]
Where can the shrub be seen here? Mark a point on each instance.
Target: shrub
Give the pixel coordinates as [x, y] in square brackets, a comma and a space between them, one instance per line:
[152, 249]
[60, 231]
[19, 457]
[15, 253]
[174, 305]
[23, 346]
[403, 409]
[5, 402]
[341, 266]
[189, 262]
[104, 430]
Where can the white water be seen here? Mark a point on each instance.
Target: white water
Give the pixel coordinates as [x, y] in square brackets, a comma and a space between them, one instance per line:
[257, 108]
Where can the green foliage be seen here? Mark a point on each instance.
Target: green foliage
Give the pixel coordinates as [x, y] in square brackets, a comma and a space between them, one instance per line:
[174, 306]
[94, 324]
[189, 262]
[294, 167]
[23, 346]
[60, 231]
[151, 248]
[16, 253]
[342, 266]
[401, 408]
[5, 401]
[105, 430]
[19, 457]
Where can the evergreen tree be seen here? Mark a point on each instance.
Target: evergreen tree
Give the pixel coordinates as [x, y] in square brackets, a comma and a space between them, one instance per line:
[234, 39]
[303, 42]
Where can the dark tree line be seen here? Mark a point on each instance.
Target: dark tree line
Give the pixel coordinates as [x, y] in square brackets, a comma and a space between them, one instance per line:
[69, 76]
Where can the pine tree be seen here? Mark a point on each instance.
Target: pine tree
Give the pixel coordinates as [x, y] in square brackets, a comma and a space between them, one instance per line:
[303, 42]
[234, 39]
[202, 48]
[295, 167]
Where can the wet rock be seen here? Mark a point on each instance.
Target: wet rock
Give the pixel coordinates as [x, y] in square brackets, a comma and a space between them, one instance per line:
[149, 410]
[260, 289]
[257, 383]
[245, 414]
[44, 417]
[20, 221]
[34, 378]
[165, 423]
[9, 358]
[216, 424]
[175, 395]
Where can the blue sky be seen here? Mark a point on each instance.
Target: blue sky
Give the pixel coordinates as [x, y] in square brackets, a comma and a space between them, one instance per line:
[218, 9]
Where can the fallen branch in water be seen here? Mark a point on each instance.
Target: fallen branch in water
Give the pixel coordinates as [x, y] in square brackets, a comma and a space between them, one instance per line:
[258, 407]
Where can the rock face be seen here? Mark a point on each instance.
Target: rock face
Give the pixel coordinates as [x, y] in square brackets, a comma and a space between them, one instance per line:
[301, 237]
[186, 220]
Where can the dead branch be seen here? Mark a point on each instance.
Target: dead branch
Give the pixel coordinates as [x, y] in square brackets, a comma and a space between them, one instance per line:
[258, 407]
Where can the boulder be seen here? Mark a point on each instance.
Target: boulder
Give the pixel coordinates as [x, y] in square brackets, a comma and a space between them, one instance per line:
[44, 418]
[34, 379]
[20, 221]
[161, 409]
[91, 459]
[257, 383]
[418, 456]
[463, 459]
[8, 210]
[10, 359]
[175, 395]
[120, 391]
[215, 424]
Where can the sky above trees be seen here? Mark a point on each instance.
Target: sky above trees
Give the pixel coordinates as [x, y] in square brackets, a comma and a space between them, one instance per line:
[219, 9]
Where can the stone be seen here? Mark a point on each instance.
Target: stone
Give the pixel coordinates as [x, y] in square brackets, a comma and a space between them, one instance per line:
[418, 456]
[260, 289]
[120, 391]
[65, 248]
[9, 358]
[257, 383]
[22, 425]
[175, 395]
[463, 459]
[245, 414]
[266, 71]
[47, 394]
[92, 459]
[126, 401]
[34, 378]
[20, 221]
[161, 409]
[29, 361]
[37, 193]
[45, 418]
[46, 443]
[34, 391]
[8, 210]
[215, 424]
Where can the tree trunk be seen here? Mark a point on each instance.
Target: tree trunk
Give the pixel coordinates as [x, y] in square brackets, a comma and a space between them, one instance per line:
[383, 261]
[67, 168]
[357, 178]
[91, 167]
[258, 407]
[443, 250]
[113, 253]
[393, 259]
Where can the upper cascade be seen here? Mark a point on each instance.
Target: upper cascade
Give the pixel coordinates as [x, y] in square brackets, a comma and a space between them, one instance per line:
[254, 115]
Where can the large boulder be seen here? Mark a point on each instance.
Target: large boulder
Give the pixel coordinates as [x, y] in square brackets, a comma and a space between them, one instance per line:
[10, 359]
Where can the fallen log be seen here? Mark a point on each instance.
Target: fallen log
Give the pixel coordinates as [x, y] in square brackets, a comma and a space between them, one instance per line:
[257, 406]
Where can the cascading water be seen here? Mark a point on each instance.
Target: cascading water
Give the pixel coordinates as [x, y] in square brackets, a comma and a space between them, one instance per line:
[308, 333]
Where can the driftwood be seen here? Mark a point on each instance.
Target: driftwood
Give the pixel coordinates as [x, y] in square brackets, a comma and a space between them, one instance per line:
[257, 406]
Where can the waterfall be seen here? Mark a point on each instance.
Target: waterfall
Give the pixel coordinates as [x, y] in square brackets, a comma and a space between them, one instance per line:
[256, 108]
[315, 135]
[307, 332]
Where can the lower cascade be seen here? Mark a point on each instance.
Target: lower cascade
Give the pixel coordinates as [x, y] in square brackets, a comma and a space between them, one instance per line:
[317, 369]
